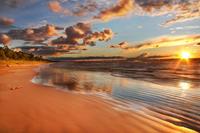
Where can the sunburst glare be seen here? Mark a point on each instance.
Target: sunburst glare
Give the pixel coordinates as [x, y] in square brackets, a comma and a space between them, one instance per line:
[185, 55]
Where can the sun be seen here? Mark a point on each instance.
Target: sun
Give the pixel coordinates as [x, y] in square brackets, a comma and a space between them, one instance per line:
[185, 55]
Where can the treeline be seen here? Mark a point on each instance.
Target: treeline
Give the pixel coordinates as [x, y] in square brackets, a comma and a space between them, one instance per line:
[86, 58]
[9, 54]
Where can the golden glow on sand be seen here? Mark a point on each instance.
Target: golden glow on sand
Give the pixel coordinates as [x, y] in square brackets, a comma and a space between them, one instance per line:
[185, 55]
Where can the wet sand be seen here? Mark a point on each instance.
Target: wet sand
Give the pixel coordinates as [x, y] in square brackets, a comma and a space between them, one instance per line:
[27, 107]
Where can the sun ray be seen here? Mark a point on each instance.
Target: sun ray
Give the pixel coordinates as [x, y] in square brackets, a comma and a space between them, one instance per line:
[185, 55]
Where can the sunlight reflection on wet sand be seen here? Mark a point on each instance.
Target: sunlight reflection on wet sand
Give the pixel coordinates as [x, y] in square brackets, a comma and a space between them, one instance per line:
[159, 106]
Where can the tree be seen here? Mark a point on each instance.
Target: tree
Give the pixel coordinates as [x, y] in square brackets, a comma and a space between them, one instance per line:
[6, 53]
[2, 54]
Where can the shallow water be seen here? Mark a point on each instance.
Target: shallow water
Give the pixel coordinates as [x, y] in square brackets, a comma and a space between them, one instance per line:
[175, 102]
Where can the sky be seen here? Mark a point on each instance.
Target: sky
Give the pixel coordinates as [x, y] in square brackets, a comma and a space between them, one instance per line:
[73, 28]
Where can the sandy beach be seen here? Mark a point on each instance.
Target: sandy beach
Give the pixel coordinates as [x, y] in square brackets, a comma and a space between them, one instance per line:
[34, 108]
[31, 108]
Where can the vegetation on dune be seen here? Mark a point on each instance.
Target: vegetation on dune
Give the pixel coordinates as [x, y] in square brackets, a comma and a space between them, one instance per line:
[9, 54]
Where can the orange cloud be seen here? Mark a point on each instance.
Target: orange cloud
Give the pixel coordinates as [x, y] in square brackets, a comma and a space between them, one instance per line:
[185, 12]
[182, 10]
[35, 35]
[51, 30]
[55, 6]
[122, 8]
[6, 21]
[81, 34]
[104, 35]
[4, 39]
[82, 9]
[78, 10]
[160, 42]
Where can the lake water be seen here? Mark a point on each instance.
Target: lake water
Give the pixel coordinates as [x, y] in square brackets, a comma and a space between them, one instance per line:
[174, 101]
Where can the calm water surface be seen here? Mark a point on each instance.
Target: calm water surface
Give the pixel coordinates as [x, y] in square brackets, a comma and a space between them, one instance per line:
[176, 102]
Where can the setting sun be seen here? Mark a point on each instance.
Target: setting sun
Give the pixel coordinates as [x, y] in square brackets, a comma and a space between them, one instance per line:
[185, 55]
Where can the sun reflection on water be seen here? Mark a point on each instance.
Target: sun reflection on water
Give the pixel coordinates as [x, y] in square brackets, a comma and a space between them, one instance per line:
[184, 85]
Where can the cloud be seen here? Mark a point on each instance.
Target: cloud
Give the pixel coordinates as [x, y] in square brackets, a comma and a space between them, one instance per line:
[104, 35]
[36, 35]
[142, 56]
[17, 49]
[122, 8]
[181, 10]
[174, 30]
[122, 45]
[5, 21]
[148, 56]
[81, 34]
[55, 6]
[153, 5]
[159, 42]
[76, 38]
[74, 34]
[4, 39]
[42, 50]
[79, 9]
[11, 4]
[52, 30]
[82, 9]
[160, 56]
[140, 27]
[186, 11]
